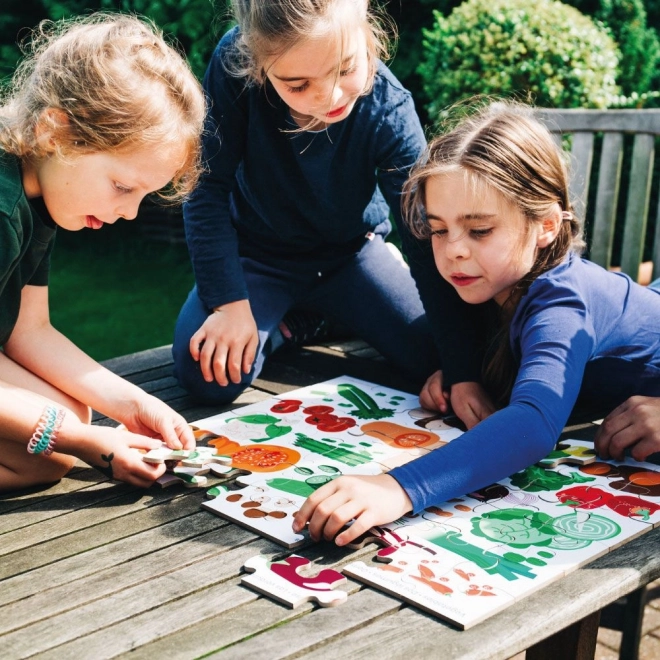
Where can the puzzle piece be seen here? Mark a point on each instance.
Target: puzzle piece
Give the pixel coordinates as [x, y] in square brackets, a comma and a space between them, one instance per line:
[283, 581]
[262, 510]
[165, 453]
[435, 580]
[569, 452]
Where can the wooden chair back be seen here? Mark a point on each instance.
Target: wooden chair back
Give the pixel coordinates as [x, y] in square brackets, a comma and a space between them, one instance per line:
[610, 128]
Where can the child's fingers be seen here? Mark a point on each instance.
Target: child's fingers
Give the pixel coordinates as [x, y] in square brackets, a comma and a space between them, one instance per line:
[304, 515]
[340, 517]
[235, 363]
[432, 396]
[142, 442]
[361, 524]
[196, 341]
[250, 353]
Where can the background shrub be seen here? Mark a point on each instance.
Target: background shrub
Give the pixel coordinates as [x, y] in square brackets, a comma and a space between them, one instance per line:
[547, 49]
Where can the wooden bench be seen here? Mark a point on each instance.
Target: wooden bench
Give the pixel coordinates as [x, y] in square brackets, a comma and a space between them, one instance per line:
[614, 134]
[625, 140]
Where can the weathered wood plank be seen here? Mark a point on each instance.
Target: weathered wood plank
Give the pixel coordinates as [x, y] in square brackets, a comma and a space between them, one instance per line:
[120, 502]
[582, 154]
[153, 358]
[306, 634]
[78, 479]
[579, 119]
[637, 208]
[607, 197]
[83, 632]
[148, 532]
[174, 563]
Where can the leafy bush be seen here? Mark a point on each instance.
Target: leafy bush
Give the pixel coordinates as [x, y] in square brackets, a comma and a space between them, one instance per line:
[546, 50]
[639, 45]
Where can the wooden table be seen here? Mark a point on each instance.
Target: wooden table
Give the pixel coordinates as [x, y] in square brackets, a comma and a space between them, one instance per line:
[95, 569]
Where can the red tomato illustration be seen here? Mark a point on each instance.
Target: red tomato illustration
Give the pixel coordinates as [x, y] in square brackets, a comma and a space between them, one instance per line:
[286, 406]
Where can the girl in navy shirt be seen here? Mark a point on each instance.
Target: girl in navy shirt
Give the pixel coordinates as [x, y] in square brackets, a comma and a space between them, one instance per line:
[309, 140]
[492, 197]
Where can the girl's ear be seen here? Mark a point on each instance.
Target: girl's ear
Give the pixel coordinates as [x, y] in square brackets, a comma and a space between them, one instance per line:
[49, 128]
[548, 230]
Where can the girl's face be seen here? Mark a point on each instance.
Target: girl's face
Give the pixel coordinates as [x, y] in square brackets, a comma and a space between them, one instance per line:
[482, 244]
[319, 80]
[92, 190]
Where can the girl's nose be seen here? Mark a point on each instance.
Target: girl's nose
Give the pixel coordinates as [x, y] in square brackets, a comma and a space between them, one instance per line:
[128, 211]
[457, 247]
[328, 94]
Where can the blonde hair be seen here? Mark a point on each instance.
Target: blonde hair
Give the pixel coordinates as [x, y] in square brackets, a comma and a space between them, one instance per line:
[269, 28]
[502, 146]
[120, 87]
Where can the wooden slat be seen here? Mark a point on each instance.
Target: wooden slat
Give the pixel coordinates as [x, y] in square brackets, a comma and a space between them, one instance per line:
[637, 207]
[582, 154]
[656, 245]
[607, 197]
[579, 119]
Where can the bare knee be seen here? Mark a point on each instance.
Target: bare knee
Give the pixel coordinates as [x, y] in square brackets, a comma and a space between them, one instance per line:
[22, 471]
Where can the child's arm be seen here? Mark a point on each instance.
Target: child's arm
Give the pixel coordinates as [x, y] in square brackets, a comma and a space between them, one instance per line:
[367, 500]
[42, 350]
[111, 450]
[230, 332]
[634, 425]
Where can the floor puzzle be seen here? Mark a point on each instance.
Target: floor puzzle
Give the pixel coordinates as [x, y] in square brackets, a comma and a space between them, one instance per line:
[514, 537]
[462, 560]
[284, 581]
[289, 447]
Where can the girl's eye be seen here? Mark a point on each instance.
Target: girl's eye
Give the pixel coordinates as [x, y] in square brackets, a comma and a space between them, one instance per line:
[122, 189]
[300, 88]
[347, 72]
[440, 233]
[481, 233]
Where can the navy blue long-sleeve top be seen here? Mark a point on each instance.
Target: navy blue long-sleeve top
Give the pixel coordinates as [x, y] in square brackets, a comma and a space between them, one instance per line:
[299, 199]
[579, 330]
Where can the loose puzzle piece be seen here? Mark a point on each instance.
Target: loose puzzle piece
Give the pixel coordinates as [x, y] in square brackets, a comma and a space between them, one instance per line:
[283, 581]
[570, 453]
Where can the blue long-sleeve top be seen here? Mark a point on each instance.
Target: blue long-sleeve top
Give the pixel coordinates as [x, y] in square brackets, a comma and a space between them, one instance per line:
[303, 200]
[579, 331]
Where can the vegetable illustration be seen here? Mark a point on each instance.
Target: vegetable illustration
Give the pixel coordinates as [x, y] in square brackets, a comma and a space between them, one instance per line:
[335, 453]
[286, 406]
[366, 407]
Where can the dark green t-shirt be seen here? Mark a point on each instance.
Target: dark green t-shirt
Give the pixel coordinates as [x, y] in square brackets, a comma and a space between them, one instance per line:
[26, 242]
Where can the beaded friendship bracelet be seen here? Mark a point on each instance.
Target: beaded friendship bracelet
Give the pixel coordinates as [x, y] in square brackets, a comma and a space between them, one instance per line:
[45, 434]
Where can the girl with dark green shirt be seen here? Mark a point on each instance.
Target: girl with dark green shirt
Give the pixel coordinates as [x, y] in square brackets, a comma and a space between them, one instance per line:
[103, 113]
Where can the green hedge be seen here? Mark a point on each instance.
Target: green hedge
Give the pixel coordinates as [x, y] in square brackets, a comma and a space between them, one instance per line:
[545, 49]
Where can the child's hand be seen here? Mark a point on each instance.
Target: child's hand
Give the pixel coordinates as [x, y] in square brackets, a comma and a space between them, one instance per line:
[115, 453]
[226, 343]
[151, 417]
[368, 500]
[635, 424]
[471, 403]
[433, 396]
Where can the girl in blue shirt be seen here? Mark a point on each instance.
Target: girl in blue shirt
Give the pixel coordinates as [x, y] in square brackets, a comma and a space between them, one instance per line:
[492, 197]
[309, 140]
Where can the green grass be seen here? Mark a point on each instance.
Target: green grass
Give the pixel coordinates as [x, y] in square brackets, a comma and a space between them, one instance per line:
[114, 292]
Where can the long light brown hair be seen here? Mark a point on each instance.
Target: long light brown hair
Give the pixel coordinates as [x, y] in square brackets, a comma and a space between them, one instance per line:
[120, 87]
[502, 146]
